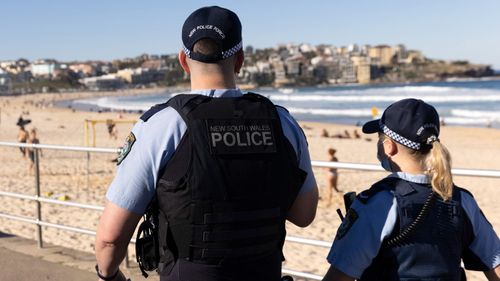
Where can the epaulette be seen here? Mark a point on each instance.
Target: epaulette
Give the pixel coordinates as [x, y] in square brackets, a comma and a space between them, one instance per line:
[384, 184]
[464, 190]
[282, 107]
[153, 110]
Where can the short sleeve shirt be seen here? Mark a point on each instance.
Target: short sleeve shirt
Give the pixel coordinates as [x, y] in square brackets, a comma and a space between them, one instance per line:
[155, 141]
[376, 219]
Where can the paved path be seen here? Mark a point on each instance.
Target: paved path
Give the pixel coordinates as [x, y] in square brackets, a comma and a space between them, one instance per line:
[22, 260]
[20, 267]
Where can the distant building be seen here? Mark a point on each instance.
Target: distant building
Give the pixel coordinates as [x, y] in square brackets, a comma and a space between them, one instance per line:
[347, 69]
[263, 66]
[306, 48]
[83, 70]
[5, 82]
[249, 50]
[353, 49]
[400, 53]
[362, 69]
[279, 73]
[293, 66]
[342, 51]
[14, 67]
[154, 64]
[335, 70]
[415, 57]
[45, 68]
[141, 75]
[9, 66]
[382, 52]
[105, 82]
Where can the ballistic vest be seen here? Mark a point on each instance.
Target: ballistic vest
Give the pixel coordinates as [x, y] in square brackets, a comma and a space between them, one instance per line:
[431, 249]
[224, 195]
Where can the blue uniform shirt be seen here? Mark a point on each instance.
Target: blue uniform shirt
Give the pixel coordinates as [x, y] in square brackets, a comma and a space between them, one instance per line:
[155, 142]
[376, 220]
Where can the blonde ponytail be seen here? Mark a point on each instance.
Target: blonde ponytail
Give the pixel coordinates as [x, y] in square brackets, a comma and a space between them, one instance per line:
[438, 164]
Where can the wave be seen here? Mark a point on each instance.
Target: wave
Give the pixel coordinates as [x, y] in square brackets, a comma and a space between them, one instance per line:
[467, 121]
[490, 115]
[458, 117]
[471, 79]
[332, 112]
[409, 90]
[287, 90]
[115, 104]
[424, 89]
[387, 98]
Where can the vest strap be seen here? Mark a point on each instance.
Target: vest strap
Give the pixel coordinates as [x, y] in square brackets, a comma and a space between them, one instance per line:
[214, 218]
[218, 236]
[186, 103]
[254, 250]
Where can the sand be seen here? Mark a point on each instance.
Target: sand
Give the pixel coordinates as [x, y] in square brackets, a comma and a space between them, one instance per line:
[66, 173]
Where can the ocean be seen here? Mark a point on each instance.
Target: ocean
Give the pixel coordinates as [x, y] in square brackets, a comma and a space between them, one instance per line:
[459, 102]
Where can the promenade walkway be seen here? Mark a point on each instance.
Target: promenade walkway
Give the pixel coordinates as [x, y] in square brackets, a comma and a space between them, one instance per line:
[16, 266]
[22, 260]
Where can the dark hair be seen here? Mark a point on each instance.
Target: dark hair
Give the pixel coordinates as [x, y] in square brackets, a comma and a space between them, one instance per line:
[206, 46]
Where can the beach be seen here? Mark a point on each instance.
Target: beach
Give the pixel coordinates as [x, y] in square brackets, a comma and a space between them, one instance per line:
[84, 179]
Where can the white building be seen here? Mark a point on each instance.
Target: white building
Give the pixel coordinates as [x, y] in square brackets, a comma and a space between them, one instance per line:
[105, 82]
[7, 63]
[263, 66]
[5, 83]
[306, 48]
[44, 68]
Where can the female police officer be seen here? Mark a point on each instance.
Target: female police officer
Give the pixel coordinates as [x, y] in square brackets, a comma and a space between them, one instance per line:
[415, 224]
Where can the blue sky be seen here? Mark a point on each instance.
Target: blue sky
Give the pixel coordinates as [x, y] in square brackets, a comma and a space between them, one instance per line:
[110, 29]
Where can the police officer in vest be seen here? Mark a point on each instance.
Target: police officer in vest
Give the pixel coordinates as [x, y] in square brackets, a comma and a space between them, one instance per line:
[414, 224]
[226, 170]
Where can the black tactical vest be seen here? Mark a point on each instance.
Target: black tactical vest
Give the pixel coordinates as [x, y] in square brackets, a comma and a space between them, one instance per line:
[224, 195]
[432, 246]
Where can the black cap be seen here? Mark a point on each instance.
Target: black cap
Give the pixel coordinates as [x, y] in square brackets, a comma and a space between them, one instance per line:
[410, 122]
[216, 23]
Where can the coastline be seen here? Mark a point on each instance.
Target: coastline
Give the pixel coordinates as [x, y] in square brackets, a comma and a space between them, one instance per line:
[65, 173]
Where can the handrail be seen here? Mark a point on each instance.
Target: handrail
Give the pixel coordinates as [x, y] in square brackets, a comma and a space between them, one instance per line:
[306, 241]
[373, 167]
[61, 147]
[301, 274]
[51, 201]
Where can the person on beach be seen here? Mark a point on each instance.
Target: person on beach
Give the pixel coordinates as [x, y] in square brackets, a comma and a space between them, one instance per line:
[332, 178]
[30, 151]
[22, 137]
[112, 130]
[220, 170]
[414, 224]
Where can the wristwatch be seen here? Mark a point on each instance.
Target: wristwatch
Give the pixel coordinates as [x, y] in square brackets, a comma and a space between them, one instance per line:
[105, 278]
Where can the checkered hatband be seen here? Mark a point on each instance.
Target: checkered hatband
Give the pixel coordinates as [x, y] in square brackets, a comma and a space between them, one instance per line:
[232, 51]
[225, 54]
[400, 139]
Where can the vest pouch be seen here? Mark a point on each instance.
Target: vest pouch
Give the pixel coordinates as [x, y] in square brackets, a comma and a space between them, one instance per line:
[167, 259]
[173, 185]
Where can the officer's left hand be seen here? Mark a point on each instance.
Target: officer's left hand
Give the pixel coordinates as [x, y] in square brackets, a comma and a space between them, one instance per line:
[119, 277]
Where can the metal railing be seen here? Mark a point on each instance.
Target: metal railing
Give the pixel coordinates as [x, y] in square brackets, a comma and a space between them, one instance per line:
[39, 199]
